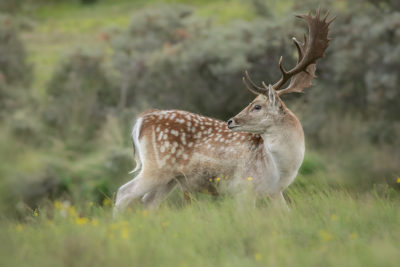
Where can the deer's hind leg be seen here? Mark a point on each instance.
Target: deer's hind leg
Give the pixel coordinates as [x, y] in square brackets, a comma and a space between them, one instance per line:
[154, 198]
[135, 189]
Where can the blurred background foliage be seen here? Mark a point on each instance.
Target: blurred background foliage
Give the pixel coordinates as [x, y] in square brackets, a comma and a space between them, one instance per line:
[74, 74]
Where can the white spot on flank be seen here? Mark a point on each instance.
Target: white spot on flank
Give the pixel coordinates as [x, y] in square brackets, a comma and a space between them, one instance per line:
[160, 136]
[174, 132]
[185, 156]
[242, 137]
[190, 144]
[162, 149]
[183, 139]
[166, 144]
[179, 152]
[165, 136]
[188, 124]
[158, 129]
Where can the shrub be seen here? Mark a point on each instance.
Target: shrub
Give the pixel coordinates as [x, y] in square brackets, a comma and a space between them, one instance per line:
[15, 72]
[361, 70]
[172, 59]
[79, 94]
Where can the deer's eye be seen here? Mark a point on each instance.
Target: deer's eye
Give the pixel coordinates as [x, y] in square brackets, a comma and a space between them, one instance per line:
[257, 107]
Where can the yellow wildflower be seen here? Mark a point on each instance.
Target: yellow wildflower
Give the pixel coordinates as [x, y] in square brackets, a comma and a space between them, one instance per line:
[353, 236]
[250, 178]
[91, 204]
[226, 177]
[210, 180]
[58, 205]
[324, 235]
[107, 202]
[257, 256]
[334, 217]
[217, 179]
[19, 227]
[125, 233]
[398, 180]
[81, 220]
[35, 213]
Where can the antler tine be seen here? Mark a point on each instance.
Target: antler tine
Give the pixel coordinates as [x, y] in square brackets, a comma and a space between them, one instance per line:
[331, 20]
[252, 87]
[248, 86]
[299, 49]
[309, 52]
[326, 16]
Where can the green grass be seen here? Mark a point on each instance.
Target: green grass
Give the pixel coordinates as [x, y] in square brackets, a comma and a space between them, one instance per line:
[323, 228]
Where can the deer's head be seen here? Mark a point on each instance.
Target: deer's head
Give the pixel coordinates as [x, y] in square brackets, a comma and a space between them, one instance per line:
[267, 109]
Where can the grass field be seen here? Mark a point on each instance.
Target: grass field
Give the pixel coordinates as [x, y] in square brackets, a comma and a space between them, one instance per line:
[323, 228]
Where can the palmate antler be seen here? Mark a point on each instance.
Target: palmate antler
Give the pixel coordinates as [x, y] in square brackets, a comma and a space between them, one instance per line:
[309, 52]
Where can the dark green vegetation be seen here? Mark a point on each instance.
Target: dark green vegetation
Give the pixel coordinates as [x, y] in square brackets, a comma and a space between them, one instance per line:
[73, 76]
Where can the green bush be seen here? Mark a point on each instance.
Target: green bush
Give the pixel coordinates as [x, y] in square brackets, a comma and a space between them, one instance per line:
[361, 70]
[80, 93]
[172, 59]
[15, 72]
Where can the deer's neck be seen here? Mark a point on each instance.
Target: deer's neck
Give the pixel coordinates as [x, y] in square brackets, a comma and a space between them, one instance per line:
[285, 142]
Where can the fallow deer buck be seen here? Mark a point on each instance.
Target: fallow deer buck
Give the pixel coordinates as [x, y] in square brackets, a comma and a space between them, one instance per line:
[265, 141]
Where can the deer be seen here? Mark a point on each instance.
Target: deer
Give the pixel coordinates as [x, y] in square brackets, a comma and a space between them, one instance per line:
[263, 145]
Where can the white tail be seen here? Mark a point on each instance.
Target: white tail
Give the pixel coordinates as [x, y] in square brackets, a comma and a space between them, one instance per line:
[135, 141]
[263, 145]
